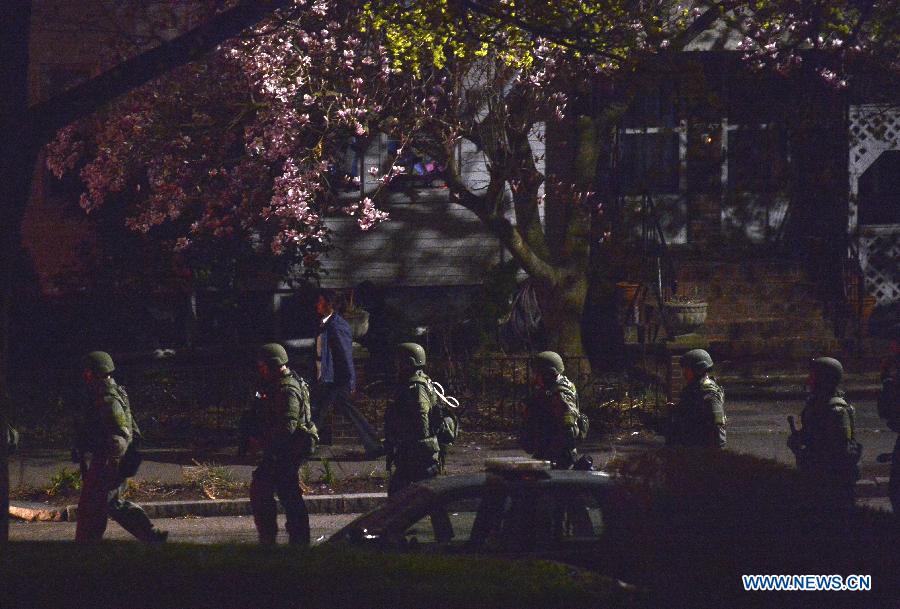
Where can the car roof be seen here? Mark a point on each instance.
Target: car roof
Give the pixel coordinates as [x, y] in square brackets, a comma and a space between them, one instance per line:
[443, 484]
[418, 496]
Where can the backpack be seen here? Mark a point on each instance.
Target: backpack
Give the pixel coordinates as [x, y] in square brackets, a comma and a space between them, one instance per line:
[447, 427]
[131, 460]
[583, 423]
[854, 448]
[306, 437]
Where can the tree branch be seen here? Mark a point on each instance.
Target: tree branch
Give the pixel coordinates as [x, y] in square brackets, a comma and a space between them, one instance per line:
[45, 118]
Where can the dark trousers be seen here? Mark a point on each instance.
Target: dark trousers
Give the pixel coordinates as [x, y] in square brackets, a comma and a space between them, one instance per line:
[331, 394]
[100, 500]
[281, 478]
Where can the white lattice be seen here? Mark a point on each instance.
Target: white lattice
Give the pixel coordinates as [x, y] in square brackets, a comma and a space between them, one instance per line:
[879, 253]
[874, 128]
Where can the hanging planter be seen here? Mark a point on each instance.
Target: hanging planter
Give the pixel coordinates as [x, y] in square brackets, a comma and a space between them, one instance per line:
[357, 318]
[685, 316]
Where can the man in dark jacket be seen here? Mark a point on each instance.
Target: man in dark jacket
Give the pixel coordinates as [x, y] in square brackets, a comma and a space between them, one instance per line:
[335, 373]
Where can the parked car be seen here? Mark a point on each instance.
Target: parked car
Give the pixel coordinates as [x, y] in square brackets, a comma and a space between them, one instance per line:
[516, 512]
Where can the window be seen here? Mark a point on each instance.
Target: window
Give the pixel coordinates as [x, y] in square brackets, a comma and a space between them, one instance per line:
[649, 163]
[879, 190]
[757, 160]
[704, 159]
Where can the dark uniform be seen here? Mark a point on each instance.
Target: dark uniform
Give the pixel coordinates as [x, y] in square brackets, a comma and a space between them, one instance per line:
[410, 424]
[698, 417]
[825, 446]
[889, 410]
[107, 430]
[281, 406]
[550, 419]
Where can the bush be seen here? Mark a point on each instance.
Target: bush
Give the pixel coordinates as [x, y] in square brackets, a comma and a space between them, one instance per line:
[211, 479]
[688, 523]
[64, 482]
[222, 577]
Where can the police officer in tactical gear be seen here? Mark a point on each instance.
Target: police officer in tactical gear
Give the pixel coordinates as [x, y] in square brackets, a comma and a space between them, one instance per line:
[550, 420]
[280, 425]
[106, 429]
[697, 419]
[410, 422]
[889, 409]
[825, 446]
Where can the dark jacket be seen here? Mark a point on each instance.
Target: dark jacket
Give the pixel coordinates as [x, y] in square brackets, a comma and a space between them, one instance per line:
[337, 352]
[698, 418]
[282, 404]
[409, 424]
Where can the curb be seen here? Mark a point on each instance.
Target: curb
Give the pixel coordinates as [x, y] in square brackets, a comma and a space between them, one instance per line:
[316, 504]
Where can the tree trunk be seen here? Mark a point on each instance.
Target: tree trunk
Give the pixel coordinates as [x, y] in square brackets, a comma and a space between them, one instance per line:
[562, 310]
[16, 161]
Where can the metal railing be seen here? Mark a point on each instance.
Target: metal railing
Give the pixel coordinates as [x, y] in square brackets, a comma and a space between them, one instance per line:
[200, 403]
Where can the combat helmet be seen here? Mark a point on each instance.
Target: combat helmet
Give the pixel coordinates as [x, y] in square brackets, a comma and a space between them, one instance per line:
[697, 360]
[830, 370]
[272, 354]
[549, 361]
[413, 352]
[98, 362]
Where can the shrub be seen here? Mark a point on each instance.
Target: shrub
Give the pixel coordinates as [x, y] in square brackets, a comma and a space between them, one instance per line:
[211, 479]
[64, 482]
[689, 522]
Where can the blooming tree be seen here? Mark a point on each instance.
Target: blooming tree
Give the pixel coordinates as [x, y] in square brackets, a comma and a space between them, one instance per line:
[240, 151]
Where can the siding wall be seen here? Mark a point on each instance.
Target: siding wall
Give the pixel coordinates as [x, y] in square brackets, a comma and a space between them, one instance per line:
[431, 242]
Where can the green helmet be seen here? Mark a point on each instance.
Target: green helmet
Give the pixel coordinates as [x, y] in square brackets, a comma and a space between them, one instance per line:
[549, 360]
[829, 368]
[98, 362]
[272, 354]
[697, 360]
[414, 352]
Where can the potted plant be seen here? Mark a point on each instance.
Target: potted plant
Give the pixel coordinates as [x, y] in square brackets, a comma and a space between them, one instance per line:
[357, 317]
[626, 291]
[685, 314]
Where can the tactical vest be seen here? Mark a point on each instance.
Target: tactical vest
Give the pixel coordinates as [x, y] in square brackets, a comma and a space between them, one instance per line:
[99, 428]
[417, 451]
[842, 457]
